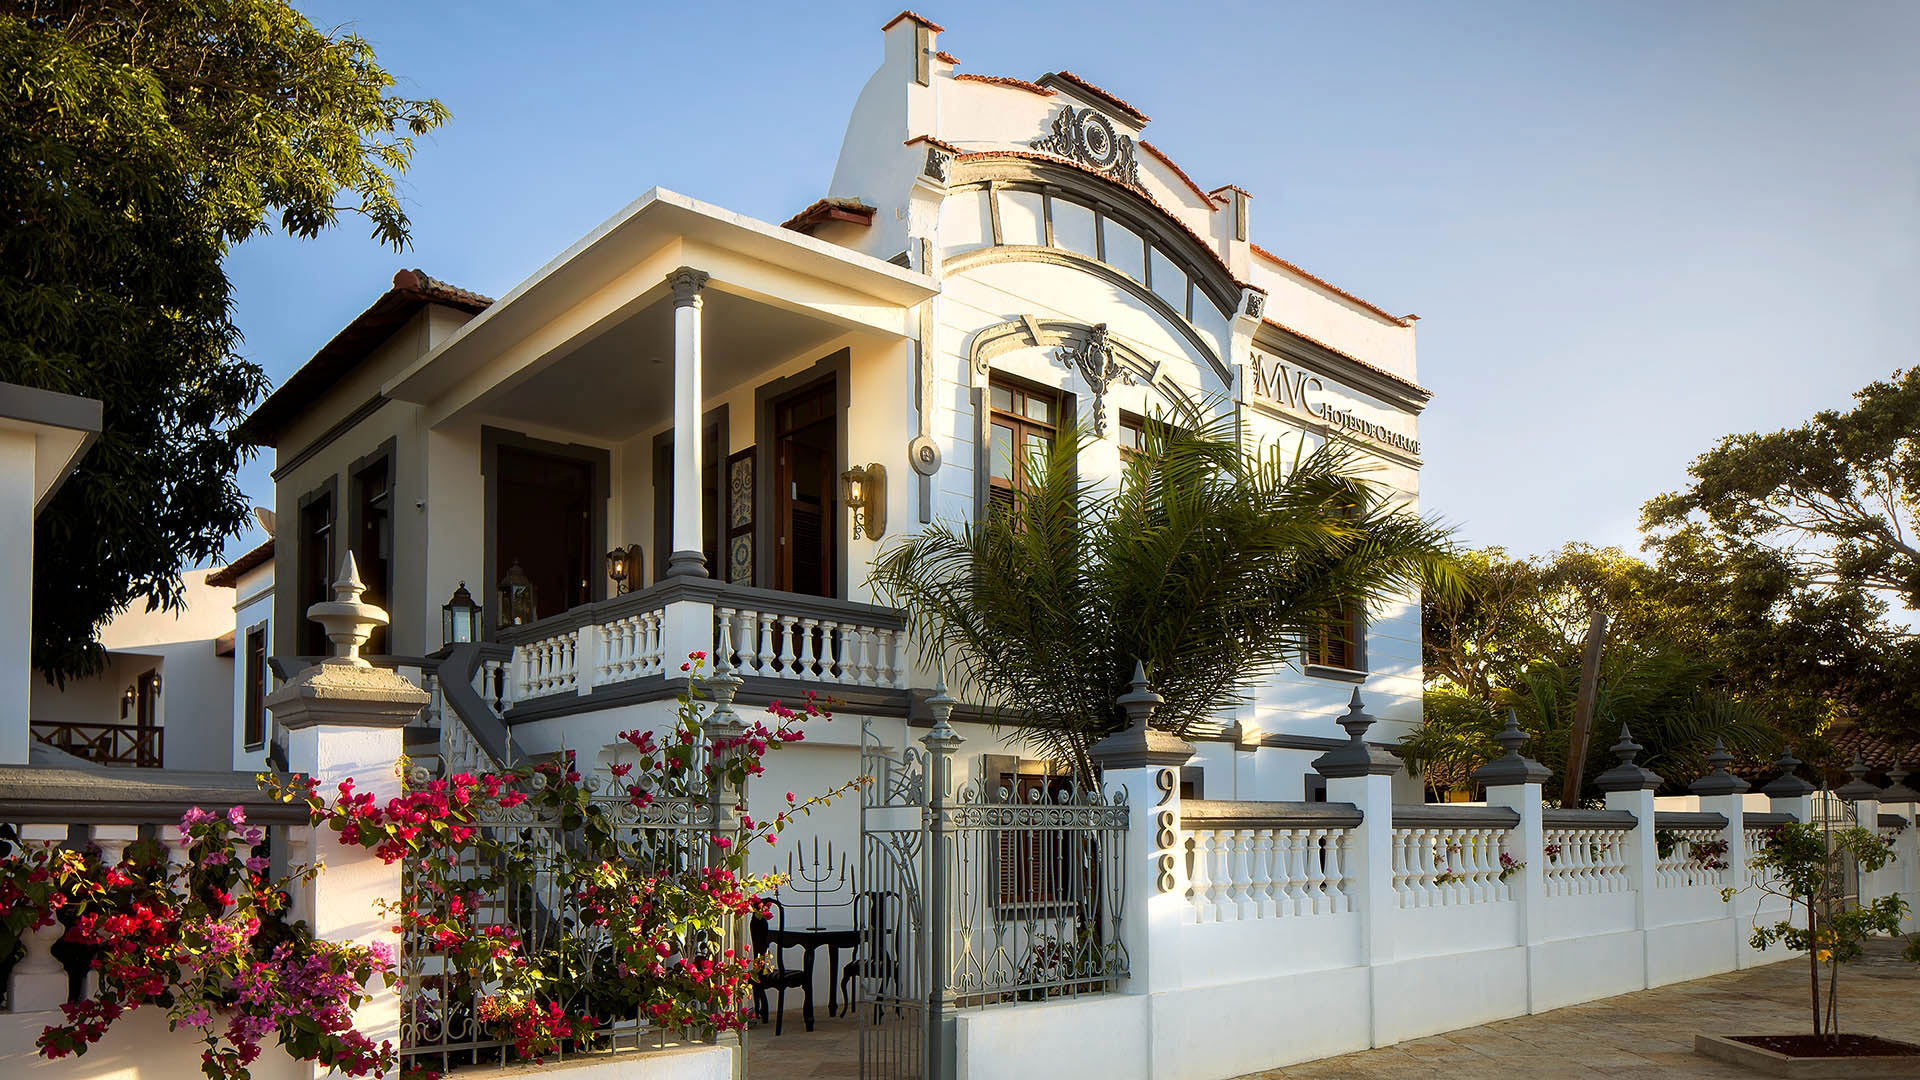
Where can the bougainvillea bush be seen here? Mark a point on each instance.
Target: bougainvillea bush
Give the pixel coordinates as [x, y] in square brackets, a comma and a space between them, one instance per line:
[203, 938]
[543, 907]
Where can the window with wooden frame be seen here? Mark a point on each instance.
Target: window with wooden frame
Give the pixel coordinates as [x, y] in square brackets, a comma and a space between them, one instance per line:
[1336, 643]
[316, 569]
[1023, 423]
[1029, 867]
[253, 731]
[372, 493]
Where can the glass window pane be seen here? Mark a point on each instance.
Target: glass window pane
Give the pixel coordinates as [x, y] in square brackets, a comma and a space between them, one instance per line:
[1000, 453]
[1037, 446]
[1002, 398]
[1039, 408]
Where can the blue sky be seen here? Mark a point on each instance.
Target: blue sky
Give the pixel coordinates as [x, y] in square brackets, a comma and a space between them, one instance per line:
[1628, 228]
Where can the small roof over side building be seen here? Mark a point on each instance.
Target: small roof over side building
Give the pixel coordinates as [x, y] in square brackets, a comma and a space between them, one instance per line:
[64, 426]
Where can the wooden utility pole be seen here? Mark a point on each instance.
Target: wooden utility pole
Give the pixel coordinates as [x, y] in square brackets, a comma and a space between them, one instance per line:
[1583, 711]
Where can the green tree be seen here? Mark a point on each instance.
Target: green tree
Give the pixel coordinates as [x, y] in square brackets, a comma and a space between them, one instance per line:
[1833, 498]
[138, 142]
[1212, 564]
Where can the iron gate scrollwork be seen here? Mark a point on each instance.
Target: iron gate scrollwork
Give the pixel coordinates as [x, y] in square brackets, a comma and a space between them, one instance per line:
[978, 893]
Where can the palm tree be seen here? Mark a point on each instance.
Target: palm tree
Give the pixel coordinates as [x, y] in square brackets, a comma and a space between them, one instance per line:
[1213, 564]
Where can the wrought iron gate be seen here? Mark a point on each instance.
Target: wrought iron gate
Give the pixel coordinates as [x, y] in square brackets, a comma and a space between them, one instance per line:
[891, 979]
[976, 894]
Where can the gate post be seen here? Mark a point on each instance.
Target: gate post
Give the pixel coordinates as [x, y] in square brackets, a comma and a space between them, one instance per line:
[941, 741]
[723, 730]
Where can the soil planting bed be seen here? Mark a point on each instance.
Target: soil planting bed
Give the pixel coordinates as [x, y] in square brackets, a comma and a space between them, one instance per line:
[1810, 1056]
[1805, 1046]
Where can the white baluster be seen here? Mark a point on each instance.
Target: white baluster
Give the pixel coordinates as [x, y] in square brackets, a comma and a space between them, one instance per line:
[1199, 876]
[806, 670]
[785, 663]
[1242, 871]
[1220, 877]
[897, 657]
[1261, 884]
[1317, 871]
[830, 651]
[723, 637]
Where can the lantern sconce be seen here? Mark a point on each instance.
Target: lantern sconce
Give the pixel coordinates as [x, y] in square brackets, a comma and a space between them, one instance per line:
[156, 684]
[623, 568]
[866, 495]
[126, 703]
[460, 618]
[519, 599]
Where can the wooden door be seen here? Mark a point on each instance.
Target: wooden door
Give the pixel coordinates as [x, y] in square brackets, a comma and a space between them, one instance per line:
[806, 482]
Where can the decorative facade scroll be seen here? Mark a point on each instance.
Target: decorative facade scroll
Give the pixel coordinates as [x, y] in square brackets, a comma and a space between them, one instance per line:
[1094, 360]
[1087, 137]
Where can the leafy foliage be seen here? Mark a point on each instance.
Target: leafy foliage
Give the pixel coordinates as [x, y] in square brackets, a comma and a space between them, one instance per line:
[1210, 563]
[138, 142]
[1805, 863]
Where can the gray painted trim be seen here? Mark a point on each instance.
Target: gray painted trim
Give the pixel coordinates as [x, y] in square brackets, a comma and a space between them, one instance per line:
[1108, 199]
[1767, 820]
[967, 260]
[491, 440]
[1686, 819]
[1278, 815]
[1444, 815]
[330, 436]
[32, 405]
[837, 365]
[1558, 818]
[754, 690]
[1335, 674]
[704, 591]
[1892, 821]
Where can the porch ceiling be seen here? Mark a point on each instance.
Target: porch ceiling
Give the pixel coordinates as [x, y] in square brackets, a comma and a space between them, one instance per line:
[620, 383]
[617, 274]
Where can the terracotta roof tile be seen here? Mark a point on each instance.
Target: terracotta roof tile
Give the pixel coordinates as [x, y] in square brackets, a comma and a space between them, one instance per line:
[947, 56]
[1120, 106]
[411, 291]
[1345, 355]
[1329, 286]
[831, 208]
[1002, 80]
[916, 17]
[228, 576]
[931, 141]
[1177, 170]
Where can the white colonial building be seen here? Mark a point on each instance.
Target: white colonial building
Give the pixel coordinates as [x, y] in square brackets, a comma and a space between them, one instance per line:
[918, 317]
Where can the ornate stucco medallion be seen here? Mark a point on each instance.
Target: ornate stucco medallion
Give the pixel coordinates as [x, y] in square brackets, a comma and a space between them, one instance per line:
[1087, 137]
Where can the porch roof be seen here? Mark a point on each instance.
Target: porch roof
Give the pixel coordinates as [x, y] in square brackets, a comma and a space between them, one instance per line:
[618, 270]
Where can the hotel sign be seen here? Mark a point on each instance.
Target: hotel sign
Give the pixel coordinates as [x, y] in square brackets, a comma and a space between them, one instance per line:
[1302, 391]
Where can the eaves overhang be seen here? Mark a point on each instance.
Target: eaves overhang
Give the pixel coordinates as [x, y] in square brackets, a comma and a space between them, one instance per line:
[63, 426]
[651, 223]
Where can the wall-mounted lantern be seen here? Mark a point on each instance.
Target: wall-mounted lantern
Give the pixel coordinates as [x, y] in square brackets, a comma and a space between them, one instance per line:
[156, 684]
[460, 618]
[126, 703]
[623, 568]
[518, 597]
[866, 496]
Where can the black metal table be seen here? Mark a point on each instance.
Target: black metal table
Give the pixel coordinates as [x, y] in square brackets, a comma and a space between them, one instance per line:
[809, 939]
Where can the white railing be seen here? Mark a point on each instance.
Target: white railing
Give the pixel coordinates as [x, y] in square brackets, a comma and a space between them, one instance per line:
[774, 643]
[632, 647]
[1690, 860]
[1585, 861]
[550, 665]
[1265, 867]
[1444, 866]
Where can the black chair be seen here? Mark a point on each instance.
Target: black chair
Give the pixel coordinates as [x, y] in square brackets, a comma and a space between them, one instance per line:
[875, 958]
[776, 976]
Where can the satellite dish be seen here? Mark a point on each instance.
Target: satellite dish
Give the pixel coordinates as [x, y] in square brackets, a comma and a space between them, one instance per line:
[265, 517]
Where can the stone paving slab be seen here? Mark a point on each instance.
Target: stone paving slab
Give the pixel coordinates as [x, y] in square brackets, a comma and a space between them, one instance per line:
[1647, 1035]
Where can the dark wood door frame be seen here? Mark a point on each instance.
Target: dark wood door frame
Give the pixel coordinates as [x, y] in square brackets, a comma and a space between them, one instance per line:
[716, 447]
[601, 461]
[836, 366]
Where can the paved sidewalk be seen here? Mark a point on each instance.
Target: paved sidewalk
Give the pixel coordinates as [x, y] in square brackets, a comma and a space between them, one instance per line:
[1650, 1033]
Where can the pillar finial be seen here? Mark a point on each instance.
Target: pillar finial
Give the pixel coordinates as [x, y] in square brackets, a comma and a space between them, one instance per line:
[349, 622]
[1788, 785]
[1719, 779]
[1628, 775]
[1514, 768]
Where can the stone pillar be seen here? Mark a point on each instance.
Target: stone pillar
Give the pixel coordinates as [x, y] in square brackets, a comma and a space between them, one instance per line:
[1723, 793]
[1514, 782]
[1788, 793]
[688, 558]
[1630, 787]
[1143, 763]
[1363, 775]
[1864, 799]
[344, 719]
[1900, 799]
[942, 1037]
[723, 730]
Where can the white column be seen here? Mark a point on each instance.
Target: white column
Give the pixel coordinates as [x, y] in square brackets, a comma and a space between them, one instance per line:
[16, 593]
[1363, 775]
[688, 557]
[1630, 787]
[1514, 782]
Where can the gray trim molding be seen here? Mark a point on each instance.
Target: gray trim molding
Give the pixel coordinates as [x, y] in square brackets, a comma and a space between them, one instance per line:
[1275, 815]
[51, 408]
[328, 437]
